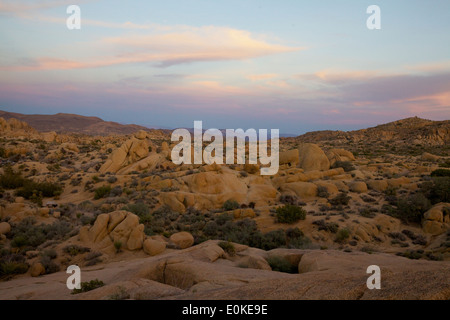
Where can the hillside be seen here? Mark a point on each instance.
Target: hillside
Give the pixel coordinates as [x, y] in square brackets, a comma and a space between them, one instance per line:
[410, 136]
[72, 123]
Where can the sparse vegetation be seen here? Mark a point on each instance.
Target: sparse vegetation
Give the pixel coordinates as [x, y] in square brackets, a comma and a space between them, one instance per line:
[281, 265]
[230, 205]
[88, 286]
[102, 192]
[342, 235]
[290, 214]
[228, 247]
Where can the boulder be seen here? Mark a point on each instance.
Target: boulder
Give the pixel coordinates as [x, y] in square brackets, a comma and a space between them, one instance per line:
[291, 157]
[122, 232]
[377, 185]
[141, 135]
[37, 269]
[254, 262]
[436, 220]
[301, 189]
[120, 226]
[136, 238]
[5, 227]
[130, 152]
[153, 247]
[358, 186]
[334, 155]
[312, 157]
[182, 239]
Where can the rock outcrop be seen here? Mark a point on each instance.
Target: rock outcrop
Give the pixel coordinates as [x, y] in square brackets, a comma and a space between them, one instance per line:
[312, 157]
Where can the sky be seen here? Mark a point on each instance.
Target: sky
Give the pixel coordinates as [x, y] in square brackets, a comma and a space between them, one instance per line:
[293, 65]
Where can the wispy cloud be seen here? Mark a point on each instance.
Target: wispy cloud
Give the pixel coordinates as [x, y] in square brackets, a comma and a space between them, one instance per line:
[183, 44]
[259, 77]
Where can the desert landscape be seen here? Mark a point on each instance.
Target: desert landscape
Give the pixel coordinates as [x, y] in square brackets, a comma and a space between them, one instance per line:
[107, 198]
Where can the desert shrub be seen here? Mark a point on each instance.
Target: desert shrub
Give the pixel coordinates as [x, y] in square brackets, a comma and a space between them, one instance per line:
[281, 265]
[412, 208]
[75, 250]
[49, 265]
[228, 247]
[139, 208]
[288, 199]
[437, 190]
[92, 258]
[50, 253]
[290, 214]
[116, 191]
[327, 226]
[295, 238]
[93, 255]
[11, 179]
[31, 189]
[230, 205]
[211, 228]
[112, 179]
[346, 165]
[88, 286]
[27, 234]
[12, 264]
[412, 254]
[341, 199]
[102, 192]
[273, 239]
[342, 235]
[120, 294]
[322, 192]
[118, 246]
[391, 191]
[397, 235]
[441, 173]
[366, 212]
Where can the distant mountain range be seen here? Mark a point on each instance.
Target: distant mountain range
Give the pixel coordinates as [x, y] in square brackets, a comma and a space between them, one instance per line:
[408, 131]
[72, 123]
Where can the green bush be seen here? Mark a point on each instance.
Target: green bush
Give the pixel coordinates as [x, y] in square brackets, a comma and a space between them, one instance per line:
[412, 208]
[322, 192]
[272, 240]
[27, 234]
[75, 250]
[230, 205]
[88, 286]
[102, 192]
[327, 226]
[11, 179]
[49, 265]
[12, 264]
[118, 246]
[141, 210]
[290, 214]
[281, 265]
[342, 235]
[437, 190]
[341, 199]
[295, 238]
[441, 173]
[31, 189]
[228, 247]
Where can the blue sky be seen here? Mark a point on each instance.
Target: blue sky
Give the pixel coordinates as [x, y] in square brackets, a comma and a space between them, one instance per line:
[296, 65]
